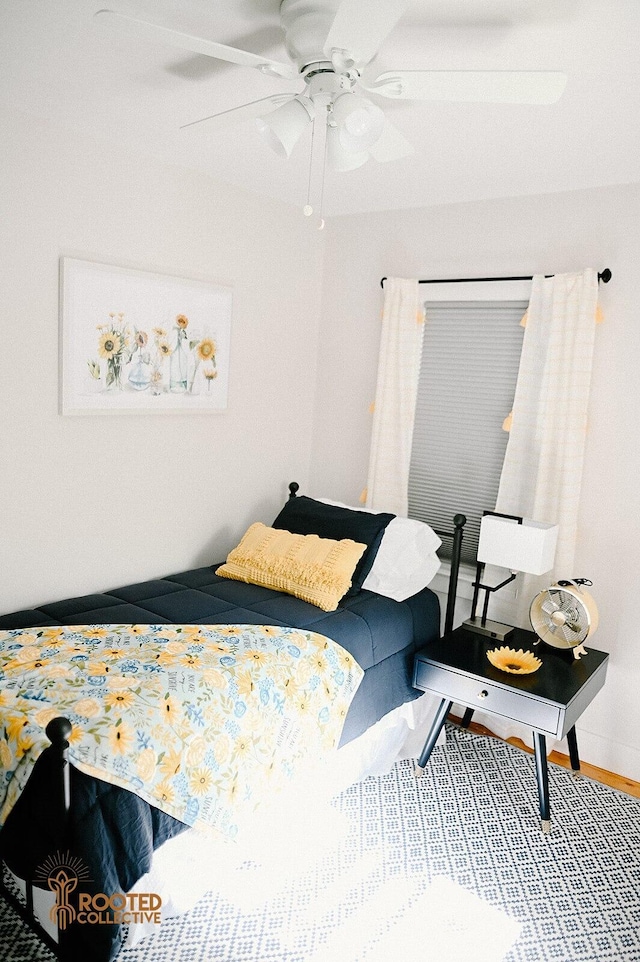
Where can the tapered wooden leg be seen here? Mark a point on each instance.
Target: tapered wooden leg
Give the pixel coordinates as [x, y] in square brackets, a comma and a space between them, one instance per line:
[436, 727]
[542, 776]
[572, 742]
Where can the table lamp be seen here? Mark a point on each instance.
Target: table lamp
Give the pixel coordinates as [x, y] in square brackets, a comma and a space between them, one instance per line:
[509, 541]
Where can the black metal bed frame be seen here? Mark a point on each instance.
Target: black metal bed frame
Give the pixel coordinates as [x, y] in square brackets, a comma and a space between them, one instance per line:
[56, 756]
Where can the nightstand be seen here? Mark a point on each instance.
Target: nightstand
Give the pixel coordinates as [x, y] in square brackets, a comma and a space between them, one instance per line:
[549, 701]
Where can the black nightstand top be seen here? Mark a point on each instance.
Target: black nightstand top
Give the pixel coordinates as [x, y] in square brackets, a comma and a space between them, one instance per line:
[559, 679]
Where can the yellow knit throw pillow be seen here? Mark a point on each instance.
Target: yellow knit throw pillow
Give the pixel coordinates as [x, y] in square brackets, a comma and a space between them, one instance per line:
[317, 570]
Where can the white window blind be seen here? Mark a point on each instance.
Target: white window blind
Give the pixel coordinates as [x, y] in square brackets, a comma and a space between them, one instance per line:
[470, 357]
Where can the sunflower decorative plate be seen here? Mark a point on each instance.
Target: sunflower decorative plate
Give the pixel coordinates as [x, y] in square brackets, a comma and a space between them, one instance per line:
[516, 662]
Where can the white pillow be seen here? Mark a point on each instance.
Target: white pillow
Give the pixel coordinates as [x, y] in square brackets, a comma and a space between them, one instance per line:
[406, 561]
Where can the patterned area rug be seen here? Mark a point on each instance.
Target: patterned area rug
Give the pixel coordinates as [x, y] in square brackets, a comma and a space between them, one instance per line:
[449, 865]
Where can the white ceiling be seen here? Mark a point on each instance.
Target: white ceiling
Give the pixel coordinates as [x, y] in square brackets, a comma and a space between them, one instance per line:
[56, 62]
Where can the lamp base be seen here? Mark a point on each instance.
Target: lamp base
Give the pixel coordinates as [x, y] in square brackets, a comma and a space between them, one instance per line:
[492, 629]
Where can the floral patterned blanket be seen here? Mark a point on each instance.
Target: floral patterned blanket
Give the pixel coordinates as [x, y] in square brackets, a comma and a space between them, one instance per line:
[200, 721]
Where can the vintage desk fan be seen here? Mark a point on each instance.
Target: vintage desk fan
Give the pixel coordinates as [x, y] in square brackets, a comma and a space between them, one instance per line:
[564, 615]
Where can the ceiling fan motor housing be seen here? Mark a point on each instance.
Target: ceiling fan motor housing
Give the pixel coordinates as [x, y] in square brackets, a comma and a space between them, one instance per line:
[306, 24]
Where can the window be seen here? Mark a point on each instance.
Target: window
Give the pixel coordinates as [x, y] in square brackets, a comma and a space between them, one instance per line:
[470, 357]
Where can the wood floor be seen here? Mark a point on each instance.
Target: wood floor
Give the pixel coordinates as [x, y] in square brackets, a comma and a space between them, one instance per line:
[618, 782]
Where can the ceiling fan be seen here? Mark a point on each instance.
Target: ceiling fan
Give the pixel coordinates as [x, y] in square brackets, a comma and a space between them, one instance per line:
[331, 44]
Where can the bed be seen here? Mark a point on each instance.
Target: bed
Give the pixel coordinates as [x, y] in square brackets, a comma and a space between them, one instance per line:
[76, 807]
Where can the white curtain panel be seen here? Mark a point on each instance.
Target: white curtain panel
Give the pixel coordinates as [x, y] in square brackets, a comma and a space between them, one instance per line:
[542, 472]
[395, 403]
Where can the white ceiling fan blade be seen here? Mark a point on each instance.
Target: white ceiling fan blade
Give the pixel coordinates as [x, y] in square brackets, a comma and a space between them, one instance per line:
[235, 115]
[360, 26]
[130, 26]
[472, 86]
[390, 145]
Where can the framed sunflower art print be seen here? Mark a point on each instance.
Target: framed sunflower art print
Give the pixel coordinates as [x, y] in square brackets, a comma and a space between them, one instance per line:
[136, 342]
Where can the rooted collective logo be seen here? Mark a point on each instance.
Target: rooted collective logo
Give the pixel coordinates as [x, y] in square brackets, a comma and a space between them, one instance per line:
[62, 872]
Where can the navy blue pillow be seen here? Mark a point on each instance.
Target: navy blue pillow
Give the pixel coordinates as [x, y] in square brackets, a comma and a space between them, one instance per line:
[305, 516]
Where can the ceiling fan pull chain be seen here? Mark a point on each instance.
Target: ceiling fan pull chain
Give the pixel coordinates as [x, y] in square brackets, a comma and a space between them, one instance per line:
[324, 167]
[307, 210]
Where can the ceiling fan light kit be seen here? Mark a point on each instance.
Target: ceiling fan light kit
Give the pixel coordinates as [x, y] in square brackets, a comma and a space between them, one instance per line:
[359, 121]
[338, 157]
[283, 127]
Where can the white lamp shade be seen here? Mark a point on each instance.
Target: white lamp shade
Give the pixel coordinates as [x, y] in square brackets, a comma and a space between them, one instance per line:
[530, 546]
[340, 159]
[359, 122]
[282, 128]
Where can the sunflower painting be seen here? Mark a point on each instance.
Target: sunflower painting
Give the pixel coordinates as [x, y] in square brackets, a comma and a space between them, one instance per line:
[133, 341]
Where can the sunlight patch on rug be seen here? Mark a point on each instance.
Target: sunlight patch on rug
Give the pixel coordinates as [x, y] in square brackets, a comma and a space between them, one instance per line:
[398, 923]
[456, 923]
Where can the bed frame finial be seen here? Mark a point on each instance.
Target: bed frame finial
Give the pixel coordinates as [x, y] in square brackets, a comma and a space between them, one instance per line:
[459, 522]
[58, 731]
[294, 487]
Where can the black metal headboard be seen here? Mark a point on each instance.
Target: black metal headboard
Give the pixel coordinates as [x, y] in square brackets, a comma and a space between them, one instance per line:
[456, 536]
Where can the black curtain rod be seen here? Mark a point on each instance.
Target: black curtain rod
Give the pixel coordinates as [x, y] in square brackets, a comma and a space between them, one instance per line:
[604, 276]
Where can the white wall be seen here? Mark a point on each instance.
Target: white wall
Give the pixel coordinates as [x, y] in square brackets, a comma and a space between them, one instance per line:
[90, 503]
[551, 233]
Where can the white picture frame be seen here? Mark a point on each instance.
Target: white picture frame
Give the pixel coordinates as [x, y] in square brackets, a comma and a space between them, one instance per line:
[139, 342]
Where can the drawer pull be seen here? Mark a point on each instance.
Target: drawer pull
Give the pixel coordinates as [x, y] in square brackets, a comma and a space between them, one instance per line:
[483, 694]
